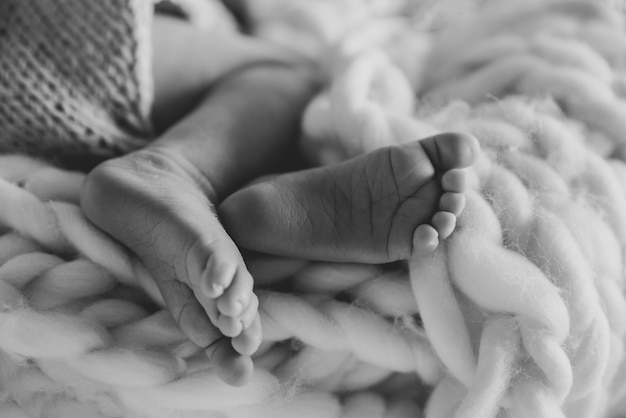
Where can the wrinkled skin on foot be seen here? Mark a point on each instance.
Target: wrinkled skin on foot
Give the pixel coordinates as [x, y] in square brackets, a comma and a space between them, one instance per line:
[373, 208]
[152, 203]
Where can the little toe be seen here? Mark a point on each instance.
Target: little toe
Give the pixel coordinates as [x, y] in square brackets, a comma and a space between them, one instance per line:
[189, 313]
[232, 367]
[250, 312]
[454, 181]
[237, 297]
[250, 339]
[425, 238]
[444, 223]
[451, 150]
[452, 202]
[230, 326]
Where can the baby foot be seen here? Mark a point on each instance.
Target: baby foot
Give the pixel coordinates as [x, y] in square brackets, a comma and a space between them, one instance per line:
[373, 208]
[159, 208]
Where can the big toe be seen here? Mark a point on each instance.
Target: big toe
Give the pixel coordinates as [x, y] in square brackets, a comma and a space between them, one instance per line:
[448, 151]
[250, 339]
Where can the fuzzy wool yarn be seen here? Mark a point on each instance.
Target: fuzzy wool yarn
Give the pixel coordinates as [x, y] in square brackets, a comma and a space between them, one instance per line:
[520, 313]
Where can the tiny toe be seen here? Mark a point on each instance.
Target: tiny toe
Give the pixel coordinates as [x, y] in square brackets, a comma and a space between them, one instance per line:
[189, 313]
[229, 326]
[425, 238]
[452, 202]
[250, 339]
[250, 312]
[454, 181]
[232, 326]
[444, 223]
[231, 367]
[237, 297]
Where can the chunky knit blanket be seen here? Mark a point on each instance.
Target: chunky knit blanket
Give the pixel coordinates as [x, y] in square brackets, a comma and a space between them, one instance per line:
[521, 313]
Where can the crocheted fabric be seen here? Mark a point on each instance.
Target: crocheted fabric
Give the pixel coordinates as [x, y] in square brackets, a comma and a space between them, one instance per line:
[521, 313]
[75, 77]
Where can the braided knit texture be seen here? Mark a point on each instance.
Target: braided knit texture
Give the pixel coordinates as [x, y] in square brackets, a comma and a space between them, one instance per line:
[521, 313]
[75, 77]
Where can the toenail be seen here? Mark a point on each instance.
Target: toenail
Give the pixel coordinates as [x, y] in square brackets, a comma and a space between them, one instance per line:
[425, 238]
[217, 289]
[238, 307]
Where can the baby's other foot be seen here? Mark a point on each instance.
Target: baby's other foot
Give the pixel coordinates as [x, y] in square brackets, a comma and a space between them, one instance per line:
[158, 207]
[373, 208]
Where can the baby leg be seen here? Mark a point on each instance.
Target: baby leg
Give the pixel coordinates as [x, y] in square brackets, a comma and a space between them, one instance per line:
[374, 208]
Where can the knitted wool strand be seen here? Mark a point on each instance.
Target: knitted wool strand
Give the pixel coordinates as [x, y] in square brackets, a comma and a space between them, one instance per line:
[546, 358]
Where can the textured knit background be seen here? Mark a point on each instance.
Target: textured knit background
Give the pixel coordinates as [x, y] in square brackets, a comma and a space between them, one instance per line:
[521, 313]
[75, 76]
